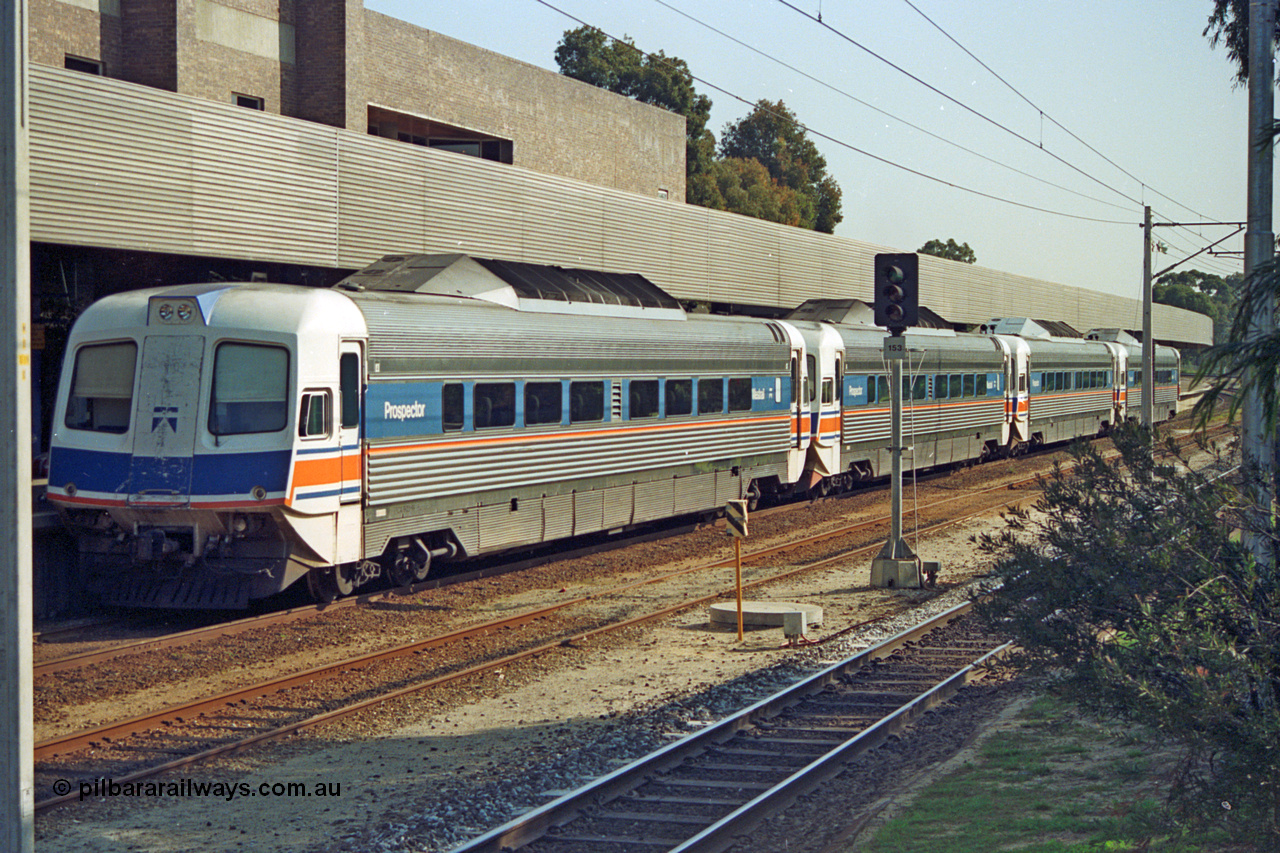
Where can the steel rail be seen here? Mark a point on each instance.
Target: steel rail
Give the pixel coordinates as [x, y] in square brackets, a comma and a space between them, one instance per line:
[534, 824]
[67, 743]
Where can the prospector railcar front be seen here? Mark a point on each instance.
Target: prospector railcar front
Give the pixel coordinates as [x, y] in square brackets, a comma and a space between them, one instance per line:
[180, 458]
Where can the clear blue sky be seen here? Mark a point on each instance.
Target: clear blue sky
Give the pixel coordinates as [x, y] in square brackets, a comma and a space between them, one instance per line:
[1135, 80]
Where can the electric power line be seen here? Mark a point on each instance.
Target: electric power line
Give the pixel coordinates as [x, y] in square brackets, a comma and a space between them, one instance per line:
[959, 103]
[1044, 115]
[849, 146]
[883, 112]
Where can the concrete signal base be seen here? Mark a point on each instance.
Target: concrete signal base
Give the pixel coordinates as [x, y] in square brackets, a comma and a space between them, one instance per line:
[895, 574]
[763, 614]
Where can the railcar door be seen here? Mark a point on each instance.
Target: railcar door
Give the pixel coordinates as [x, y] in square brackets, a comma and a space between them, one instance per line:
[351, 450]
[164, 423]
[351, 391]
[1018, 393]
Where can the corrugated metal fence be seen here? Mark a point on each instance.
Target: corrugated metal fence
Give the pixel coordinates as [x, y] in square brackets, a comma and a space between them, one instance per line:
[124, 166]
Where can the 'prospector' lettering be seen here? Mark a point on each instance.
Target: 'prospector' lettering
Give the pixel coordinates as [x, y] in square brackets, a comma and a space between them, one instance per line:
[392, 412]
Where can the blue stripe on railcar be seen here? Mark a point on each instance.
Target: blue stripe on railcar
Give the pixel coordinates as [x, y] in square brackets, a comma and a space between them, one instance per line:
[117, 473]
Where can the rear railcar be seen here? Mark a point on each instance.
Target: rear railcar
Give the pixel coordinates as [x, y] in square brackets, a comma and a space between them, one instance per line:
[1168, 368]
[490, 428]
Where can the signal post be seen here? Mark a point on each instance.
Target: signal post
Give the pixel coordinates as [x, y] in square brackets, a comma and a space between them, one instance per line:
[897, 301]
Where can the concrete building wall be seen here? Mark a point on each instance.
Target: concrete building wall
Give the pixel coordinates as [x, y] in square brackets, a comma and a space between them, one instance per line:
[328, 61]
[555, 122]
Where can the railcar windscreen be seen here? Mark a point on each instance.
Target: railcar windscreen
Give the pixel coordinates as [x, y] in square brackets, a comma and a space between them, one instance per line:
[250, 389]
[102, 387]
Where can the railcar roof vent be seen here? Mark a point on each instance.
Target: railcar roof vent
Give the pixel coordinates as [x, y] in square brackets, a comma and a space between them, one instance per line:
[1023, 327]
[522, 286]
[855, 312]
[1120, 336]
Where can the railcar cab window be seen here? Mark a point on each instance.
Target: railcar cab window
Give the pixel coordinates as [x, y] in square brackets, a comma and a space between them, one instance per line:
[102, 387]
[494, 404]
[679, 395]
[250, 389]
[542, 403]
[315, 415]
[740, 395]
[643, 398]
[586, 402]
[710, 396]
[811, 380]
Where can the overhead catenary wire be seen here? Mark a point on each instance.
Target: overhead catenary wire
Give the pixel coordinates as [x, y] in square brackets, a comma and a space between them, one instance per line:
[840, 142]
[843, 93]
[975, 112]
[1044, 115]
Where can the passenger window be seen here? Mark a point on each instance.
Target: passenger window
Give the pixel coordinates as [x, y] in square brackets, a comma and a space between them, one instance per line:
[679, 397]
[102, 387]
[586, 401]
[313, 419]
[710, 396]
[349, 385]
[811, 381]
[940, 387]
[451, 414]
[956, 387]
[740, 395]
[982, 384]
[494, 404]
[542, 403]
[882, 389]
[250, 389]
[968, 385]
[644, 398]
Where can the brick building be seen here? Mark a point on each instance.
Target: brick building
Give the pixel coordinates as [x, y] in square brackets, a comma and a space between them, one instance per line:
[336, 63]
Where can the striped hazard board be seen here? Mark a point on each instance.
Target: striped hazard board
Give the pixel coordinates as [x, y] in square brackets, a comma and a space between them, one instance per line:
[735, 516]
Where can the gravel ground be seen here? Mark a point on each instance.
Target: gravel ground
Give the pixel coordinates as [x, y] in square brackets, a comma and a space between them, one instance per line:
[424, 773]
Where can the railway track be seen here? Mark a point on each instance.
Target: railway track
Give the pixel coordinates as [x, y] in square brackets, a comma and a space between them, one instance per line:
[281, 617]
[182, 735]
[185, 734]
[700, 794]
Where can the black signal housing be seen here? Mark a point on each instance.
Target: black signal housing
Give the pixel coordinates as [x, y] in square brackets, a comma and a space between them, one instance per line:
[897, 290]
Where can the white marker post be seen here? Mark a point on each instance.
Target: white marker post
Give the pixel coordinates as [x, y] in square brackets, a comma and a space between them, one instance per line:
[735, 517]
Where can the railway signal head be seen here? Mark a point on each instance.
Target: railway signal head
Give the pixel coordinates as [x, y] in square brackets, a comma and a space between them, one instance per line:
[897, 290]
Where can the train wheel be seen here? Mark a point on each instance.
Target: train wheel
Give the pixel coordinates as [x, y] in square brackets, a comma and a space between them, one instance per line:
[314, 585]
[405, 570]
[341, 579]
[329, 583]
